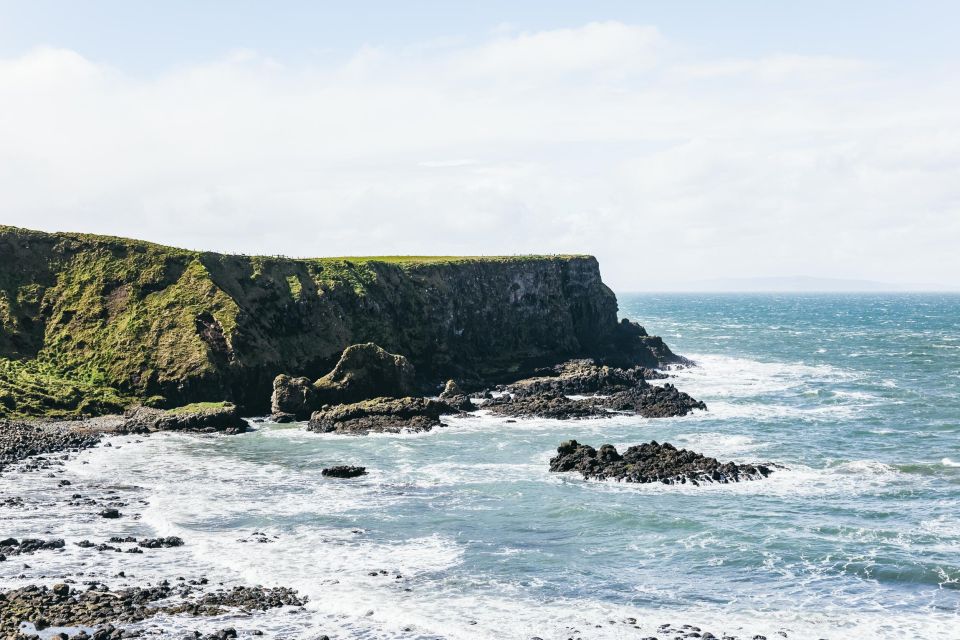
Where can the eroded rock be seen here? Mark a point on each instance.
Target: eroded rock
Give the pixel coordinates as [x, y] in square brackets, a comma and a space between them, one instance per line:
[651, 462]
[203, 417]
[391, 415]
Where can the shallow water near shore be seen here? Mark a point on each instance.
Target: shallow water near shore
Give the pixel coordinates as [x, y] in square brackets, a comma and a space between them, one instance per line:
[858, 396]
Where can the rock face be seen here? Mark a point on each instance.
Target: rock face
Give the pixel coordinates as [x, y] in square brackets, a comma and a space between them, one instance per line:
[391, 415]
[147, 321]
[651, 462]
[198, 418]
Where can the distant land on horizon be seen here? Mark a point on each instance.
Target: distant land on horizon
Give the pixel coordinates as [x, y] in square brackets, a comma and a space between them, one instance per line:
[796, 284]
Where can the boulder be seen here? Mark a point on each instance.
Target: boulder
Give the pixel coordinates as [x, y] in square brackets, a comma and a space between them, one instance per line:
[651, 462]
[391, 415]
[202, 417]
[453, 395]
[344, 471]
[296, 397]
[647, 400]
[366, 371]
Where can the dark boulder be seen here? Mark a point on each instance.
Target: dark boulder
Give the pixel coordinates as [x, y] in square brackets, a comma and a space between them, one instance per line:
[344, 471]
[366, 371]
[296, 397]
[651, 462]
[391, 415]
[453, 395]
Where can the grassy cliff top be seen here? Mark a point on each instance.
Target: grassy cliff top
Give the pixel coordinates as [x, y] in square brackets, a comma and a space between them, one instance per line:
[106, 240]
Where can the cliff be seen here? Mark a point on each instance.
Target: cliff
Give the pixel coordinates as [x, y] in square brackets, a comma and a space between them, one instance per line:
[90, 323]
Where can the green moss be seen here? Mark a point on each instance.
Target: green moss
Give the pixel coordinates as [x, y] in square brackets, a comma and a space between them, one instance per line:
[199, 407]
[33, 389]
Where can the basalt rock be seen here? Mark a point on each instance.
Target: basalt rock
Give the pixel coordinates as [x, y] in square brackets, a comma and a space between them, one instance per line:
[19, 440]
[293, 398]
[391, 415]
[651, 462]
[364, 371]
[647, 400]
[99, 606]
[198, 418]
[584, 377]
[344, 471]
[453, 395]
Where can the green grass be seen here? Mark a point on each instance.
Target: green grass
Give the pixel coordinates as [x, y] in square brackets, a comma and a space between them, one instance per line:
[30, 389]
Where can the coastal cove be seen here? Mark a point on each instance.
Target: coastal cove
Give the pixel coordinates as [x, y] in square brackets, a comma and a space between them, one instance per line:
[463, 532]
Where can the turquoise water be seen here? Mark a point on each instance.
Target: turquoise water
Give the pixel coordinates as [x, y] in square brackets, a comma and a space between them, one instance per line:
[856, 395]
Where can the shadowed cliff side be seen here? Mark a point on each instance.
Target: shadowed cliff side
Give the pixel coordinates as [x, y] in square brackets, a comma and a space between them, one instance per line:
[89, 323]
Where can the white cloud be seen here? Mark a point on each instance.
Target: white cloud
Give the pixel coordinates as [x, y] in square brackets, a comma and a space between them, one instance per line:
[607, 139]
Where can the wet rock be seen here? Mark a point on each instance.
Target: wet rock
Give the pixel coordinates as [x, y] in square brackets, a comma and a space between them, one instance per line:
[157, 543]
[456, 398]
[391, 415]
[110, 513]
[584, 377]
[102, 607]
[214, 417]
[344, 471]
[19, 440]
[13, 547]
[647, 400]
[651, 462]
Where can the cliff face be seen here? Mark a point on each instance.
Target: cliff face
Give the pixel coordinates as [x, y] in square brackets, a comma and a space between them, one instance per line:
[100, 320]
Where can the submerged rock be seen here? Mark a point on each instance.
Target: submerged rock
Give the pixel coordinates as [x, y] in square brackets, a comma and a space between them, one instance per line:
[344, 471]
[390, 415]
[202, 417]
[651, 462]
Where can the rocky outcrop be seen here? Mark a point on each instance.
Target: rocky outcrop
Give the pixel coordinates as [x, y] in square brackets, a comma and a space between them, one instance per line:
[453, 395]
[584, 377]
[651, 462]
[92, 324]
[364, 371]
[644, 399]
[391, 415]
[197, 418]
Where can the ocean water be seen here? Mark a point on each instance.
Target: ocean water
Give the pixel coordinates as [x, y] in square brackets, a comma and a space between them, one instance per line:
[857, 395]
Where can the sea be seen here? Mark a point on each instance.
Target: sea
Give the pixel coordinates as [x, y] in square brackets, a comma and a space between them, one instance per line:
[463, 532]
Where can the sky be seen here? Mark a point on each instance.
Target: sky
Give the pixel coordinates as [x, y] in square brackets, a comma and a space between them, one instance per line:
[678, 141]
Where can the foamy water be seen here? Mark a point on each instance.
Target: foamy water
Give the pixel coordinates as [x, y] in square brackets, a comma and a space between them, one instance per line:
[858, 537]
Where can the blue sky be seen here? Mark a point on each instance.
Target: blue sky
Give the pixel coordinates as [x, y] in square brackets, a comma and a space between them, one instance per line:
[712, 139]
[144, 37]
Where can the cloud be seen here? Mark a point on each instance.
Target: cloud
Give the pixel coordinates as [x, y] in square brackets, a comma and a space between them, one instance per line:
[607, 138]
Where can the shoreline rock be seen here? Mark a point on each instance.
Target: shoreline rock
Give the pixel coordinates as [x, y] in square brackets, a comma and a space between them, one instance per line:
[651, 462]
[380, 415]
[207, 417]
